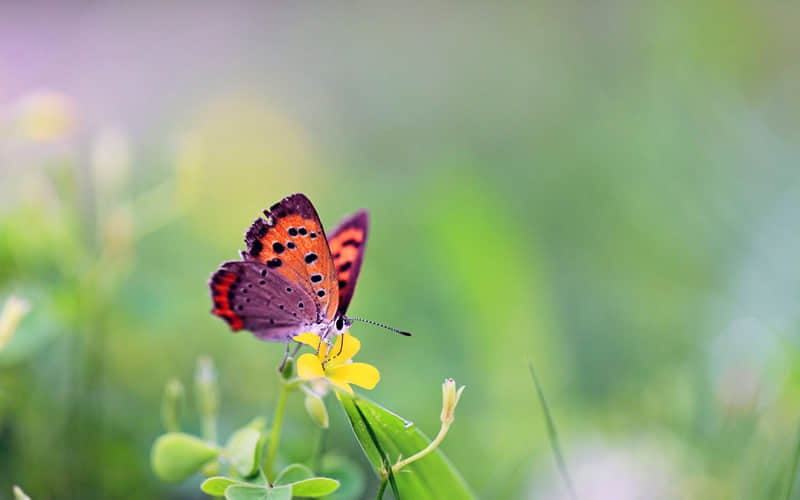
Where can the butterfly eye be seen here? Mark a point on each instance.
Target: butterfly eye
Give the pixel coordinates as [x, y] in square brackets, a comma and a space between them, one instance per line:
[339, 323]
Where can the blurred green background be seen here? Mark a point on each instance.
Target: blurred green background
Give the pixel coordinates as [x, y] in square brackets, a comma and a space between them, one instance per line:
[610, 190]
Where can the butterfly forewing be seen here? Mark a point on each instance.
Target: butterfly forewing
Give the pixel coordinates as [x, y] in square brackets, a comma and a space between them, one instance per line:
[290, 241]
[248, 295]
[347, 243]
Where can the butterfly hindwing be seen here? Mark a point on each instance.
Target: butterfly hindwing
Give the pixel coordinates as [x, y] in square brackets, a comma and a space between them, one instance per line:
[347, 243]
[249, 295]
[290, 241]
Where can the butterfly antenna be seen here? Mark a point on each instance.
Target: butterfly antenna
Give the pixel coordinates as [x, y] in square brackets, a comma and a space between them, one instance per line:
[395, 330]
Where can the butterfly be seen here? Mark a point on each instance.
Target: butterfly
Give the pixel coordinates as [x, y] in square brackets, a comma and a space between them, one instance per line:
[293, 278]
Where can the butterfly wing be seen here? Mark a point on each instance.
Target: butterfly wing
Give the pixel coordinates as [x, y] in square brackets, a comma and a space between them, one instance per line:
[249, 295]
[347, 243]
[291, 242]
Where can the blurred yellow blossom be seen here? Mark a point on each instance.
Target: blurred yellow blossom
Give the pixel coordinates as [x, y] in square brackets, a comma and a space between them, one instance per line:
[13, 311]
[46, 115]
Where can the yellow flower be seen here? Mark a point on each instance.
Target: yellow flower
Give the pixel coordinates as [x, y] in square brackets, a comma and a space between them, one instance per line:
[334, 364]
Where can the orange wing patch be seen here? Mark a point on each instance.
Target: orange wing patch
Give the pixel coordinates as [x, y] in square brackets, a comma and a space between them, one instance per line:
[291, 241]
[347, 244]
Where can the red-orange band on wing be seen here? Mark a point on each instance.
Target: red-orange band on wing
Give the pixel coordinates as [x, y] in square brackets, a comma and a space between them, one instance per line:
[347, 244]
[221, 284]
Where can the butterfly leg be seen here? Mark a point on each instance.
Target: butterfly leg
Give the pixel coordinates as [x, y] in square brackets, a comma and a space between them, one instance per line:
[319, 346]
[296, 348]
[285, 357]
[341, 345]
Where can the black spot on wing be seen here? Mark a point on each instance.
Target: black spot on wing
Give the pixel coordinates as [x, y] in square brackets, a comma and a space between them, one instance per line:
[351, 243]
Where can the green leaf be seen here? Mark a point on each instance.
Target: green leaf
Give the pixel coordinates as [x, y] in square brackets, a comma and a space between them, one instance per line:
[315, 487]
[245, 492]
[385, 461]
[280, 493]
[293, 473]
[244, 450]
[176, 456]
[215, 486]
[350, 476]
[302, 483]
[431, 477]
[258, 479]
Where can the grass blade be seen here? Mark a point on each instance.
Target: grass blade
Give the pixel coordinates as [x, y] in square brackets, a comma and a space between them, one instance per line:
[552, 435]
[793, 470]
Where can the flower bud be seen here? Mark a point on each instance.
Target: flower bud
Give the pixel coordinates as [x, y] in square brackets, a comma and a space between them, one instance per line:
[19, 494]
[450, 397]
[315, 407]
[207, 396]
[13, 311]
[110, 160]
[205, 381]
[288, 369]
[171, 403]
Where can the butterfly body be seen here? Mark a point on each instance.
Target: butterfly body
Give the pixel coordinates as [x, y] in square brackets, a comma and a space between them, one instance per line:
[292, 278]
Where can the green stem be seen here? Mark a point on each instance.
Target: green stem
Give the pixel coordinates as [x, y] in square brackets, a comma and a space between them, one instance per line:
[316, 458]
[381, 489]
[275, 435]
[432, 446]
[210, 428]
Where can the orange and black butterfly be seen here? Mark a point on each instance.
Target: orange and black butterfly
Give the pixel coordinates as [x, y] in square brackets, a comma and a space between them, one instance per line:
[292, 278]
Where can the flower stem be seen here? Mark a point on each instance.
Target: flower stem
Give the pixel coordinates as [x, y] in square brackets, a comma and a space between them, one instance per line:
[316, 458]
[275, 435]
[432, 446]
[381, 489]
[210, 428]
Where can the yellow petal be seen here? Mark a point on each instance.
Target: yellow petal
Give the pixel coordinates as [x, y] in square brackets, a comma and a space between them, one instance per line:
[323, 349]
[341, 385]
[343, 350]
[309, 367]
[309, 339]
[361, 374]
[312, 340]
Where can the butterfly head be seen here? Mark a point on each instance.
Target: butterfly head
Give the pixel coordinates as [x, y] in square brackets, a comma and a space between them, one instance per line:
[341, 325]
